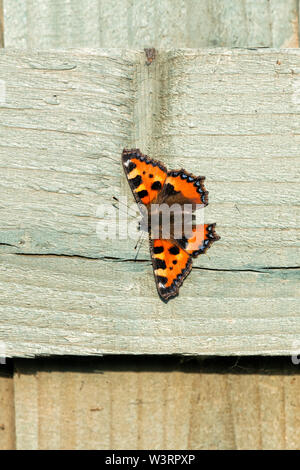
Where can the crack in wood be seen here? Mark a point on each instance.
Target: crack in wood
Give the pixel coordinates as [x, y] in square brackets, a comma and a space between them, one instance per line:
[261, 269]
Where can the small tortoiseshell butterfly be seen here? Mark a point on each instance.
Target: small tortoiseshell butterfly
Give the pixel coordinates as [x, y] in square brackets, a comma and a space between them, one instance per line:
[152, 184]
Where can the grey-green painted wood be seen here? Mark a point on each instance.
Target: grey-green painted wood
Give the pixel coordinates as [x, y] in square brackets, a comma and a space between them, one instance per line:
[159, 23]
[230, 115]
[1, 25]
[53, 305]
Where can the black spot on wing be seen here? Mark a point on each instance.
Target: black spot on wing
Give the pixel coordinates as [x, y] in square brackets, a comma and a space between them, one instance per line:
[130, 167]
[159, 264]
[136, 181]
[158, 249]
[142, 193]
[162, 279]
[174, 250]
[169, 189]
[156, 185]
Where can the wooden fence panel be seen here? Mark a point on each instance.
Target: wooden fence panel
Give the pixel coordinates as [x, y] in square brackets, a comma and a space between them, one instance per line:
[66, 119]
[156, 404]
[233, 116]
[44, 24]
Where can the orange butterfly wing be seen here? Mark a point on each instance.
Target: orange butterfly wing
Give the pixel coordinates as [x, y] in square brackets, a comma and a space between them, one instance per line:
[151, 183]
[146, 176]
[171, 265]
[200, 239]
[184, 188]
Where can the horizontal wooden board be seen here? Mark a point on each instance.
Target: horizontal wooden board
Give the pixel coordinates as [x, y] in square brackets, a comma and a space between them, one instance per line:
[51, 305]
[159, 23]
[66, 117]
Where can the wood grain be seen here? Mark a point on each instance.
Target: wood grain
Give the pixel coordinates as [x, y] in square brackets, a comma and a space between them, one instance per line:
[44, 24]
[230, 115]
[7, 408]
[1, 24]
[51, 305]
[157, 404]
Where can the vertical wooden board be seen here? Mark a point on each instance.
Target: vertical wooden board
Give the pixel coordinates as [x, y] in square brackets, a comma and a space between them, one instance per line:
[266, 409]
[211, 421]
[16, 27]
[1, 24]
[53, 405]
[272, 410]
[116, 23]
[151, 406]
[247, 23]
[284, 23]
[122, 422]
[7, 415]
[178, 413]
[291, 384]
[64, 23]
[49, 24]
[160, 23]
[218, 23]
[245, 404]
[26, 396]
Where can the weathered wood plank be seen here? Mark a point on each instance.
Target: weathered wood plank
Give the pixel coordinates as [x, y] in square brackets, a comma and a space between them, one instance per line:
[51, 305]
[151, 404]
[7, 408]
[1, 24]
[160, 23]
[243, 153]
[66, 118]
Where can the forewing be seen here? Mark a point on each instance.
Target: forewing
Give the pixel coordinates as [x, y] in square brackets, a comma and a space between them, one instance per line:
[182, 188]
[145, 176]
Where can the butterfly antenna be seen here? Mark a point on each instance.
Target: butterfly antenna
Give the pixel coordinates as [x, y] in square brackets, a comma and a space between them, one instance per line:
[123, 204]
[120, 202]
[139, 240]
[139, 245]
[137, 253]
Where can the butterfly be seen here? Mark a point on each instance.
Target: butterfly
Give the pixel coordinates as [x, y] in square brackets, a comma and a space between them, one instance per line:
[153, 187]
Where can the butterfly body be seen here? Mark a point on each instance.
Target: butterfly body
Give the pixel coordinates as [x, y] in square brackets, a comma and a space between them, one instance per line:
[171, 196]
